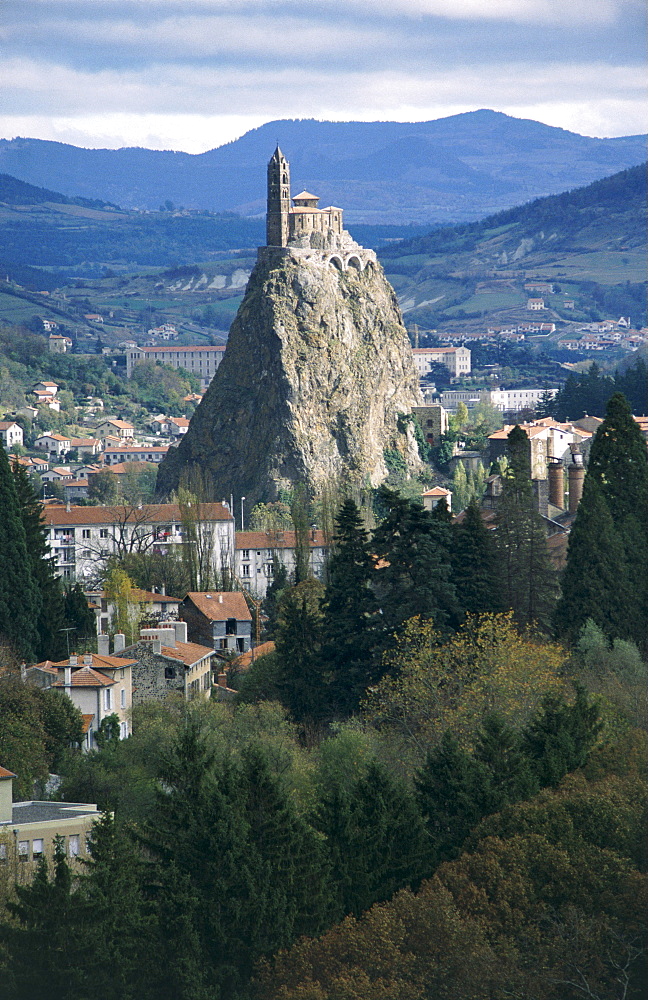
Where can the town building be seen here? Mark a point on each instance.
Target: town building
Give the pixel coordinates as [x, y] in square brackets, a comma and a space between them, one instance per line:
[116, 454]
[54, 444]
[434, 496]
[218, 619]
[81, 538]
[167, 664]
[28, 830]
[549, 441]
[112, 427]
[58, 344]
[256, 552]
[147, 602]
[201, 361]
[11, 434]
[535, 305]
[433, 419]
[504, 400]
[455, 359]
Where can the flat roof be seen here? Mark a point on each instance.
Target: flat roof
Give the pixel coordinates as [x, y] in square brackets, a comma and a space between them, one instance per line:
[45, 812]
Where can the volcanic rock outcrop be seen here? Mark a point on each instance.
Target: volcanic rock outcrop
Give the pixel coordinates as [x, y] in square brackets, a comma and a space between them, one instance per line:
[318, 369]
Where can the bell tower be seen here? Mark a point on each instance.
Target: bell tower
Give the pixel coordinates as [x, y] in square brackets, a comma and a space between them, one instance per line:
[278, 200]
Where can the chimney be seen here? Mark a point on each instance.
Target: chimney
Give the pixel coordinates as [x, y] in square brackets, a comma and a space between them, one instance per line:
[74, 660]
[220, 598]
[180, 631]
[167, 637]
[67, 677]
[222, 680]
[163, 590]
[103, 645]
[576, 473]
[119, 642]
[156, 646]
[87, 659]
[556, 483]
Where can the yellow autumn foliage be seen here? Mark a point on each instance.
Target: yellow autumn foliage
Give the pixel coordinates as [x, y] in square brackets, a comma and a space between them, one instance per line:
[433, 685]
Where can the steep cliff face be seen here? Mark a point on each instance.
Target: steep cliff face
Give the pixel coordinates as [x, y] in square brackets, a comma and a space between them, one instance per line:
[317, 370]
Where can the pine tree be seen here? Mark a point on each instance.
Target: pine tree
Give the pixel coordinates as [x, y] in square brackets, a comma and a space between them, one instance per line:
[499, 748]
[415, 576]
[618, 461]
[20, 598]
[351, 621]
[299, 635]
[474, 564]
[561, 736]
[529, 583]
[453, 794]
[375, 839]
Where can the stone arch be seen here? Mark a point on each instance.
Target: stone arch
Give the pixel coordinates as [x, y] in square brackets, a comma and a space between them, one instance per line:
[355, 262]
[336, 262]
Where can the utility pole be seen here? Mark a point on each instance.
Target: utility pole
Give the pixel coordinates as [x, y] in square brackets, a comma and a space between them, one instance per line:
[242, 515]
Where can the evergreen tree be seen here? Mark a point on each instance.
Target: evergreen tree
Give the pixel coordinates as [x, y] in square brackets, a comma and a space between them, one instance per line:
[561, 736]
[273, 594]
[510, 776]
[45, 944]
[595, 583]
[299, 635]
[460, 489]
[529, 584]
[415, 576]
[474, 564]
[375, 838]
[351, 621]
[20, 598]
[618, 461]
[453, 793]
[79, 616]
[51, 641]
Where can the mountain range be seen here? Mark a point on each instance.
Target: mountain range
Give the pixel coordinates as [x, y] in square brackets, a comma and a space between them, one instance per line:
[453, 169]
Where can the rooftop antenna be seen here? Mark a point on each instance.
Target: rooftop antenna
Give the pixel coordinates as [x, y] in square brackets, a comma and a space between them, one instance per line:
[67, 636]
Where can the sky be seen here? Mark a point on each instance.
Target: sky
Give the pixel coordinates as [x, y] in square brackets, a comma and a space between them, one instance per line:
[194, 74]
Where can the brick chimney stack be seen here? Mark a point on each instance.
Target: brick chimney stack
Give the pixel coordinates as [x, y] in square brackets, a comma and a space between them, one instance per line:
[556, 483]
[576, 473]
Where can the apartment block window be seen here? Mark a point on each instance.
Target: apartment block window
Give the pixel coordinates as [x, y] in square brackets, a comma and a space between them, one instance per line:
[23, 850]
[85, 533]
[86, 553]
[74, 845]
[37, 849]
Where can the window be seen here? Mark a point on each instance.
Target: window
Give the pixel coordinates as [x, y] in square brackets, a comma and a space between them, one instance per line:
[169, 673]
[74, 845]
[23, 850]
[85, 533]
[245, 553]
[3, 852]
[245, 570]
[107, 699]
[240, 645]
[122, 698]
[231, 626]
[86, 553]
[37, 849]
[103, 533]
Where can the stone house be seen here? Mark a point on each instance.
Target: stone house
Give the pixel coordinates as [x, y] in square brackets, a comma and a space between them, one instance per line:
[28, 829]
[58, 344]
[166, 664]
[218, 619]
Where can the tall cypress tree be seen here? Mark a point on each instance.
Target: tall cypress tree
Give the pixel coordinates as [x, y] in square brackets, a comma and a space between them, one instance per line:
[301, 681]
[606, 578]
[474, 564]
[529, 584]
[20, 598]
[595, 583]
[351, 620]
[51, 641]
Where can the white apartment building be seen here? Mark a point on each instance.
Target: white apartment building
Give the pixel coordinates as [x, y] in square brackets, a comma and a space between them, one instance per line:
[504, 400]
[80, 538]
[135, 453]
[456, 359]
[255, 551]
[201, 361]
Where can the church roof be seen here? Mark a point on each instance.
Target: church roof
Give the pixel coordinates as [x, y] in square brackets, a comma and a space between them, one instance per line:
[305, 195]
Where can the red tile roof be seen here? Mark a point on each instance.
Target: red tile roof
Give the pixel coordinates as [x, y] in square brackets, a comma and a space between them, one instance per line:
[100, 661]
[87, 677]
[275, 539]
[187, 652]
[147, 514]
[4, 773]
[218, 605]
[246, 659]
